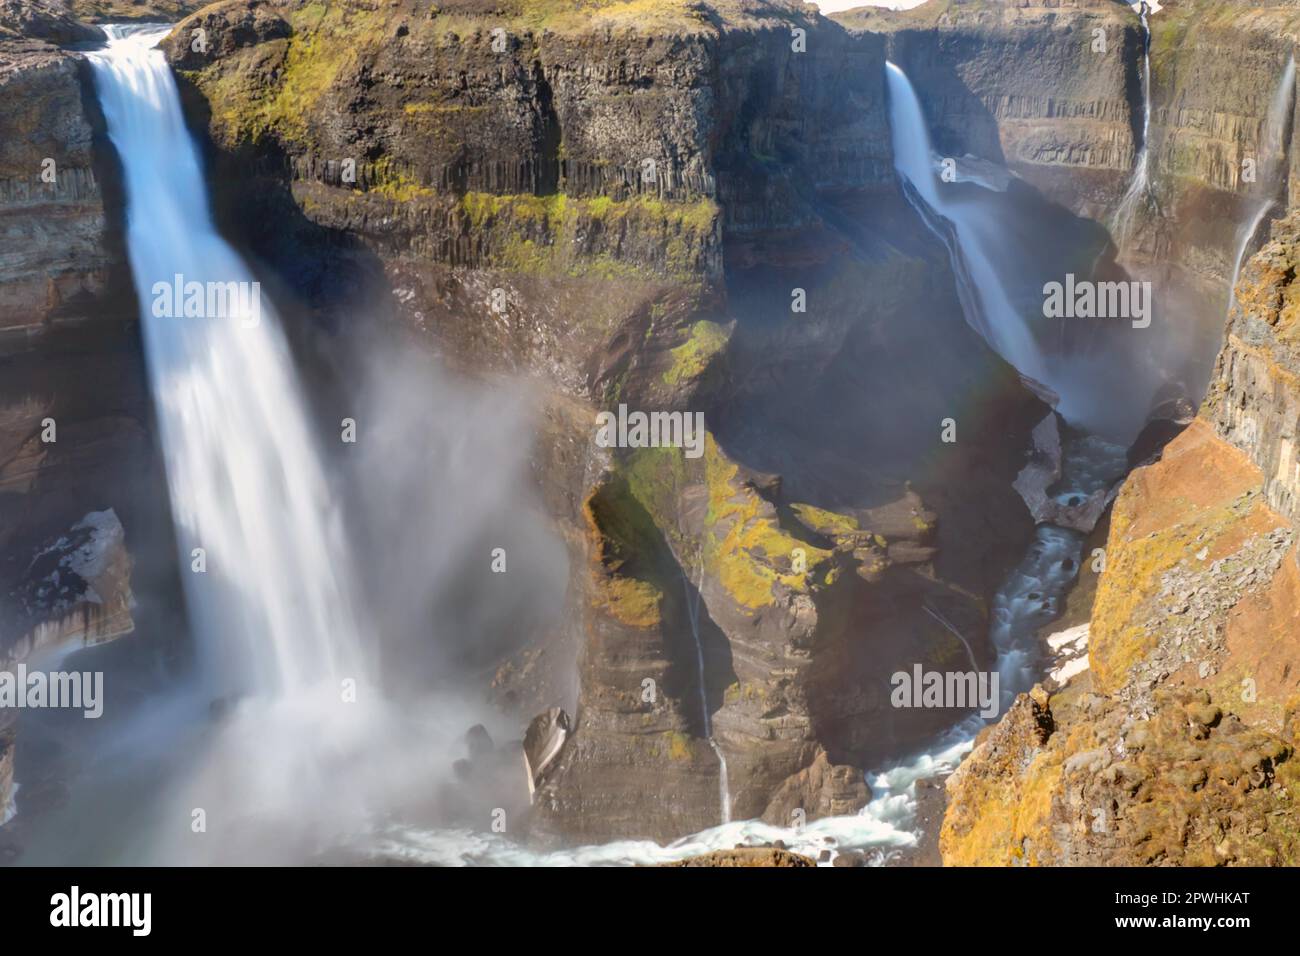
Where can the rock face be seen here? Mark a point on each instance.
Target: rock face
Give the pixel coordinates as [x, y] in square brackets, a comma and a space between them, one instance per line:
[58, 249]
[747, 856]
[74, 590]
[1029, 84]
[1177, 745]
[75, 451]
[504, 180]
[43, 20]
[1254, 402]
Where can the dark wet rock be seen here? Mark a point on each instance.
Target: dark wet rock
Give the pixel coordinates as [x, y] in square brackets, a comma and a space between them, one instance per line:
[819, 790]
[76, 589]
[543, 741]
[479, 742]
[1042, 471]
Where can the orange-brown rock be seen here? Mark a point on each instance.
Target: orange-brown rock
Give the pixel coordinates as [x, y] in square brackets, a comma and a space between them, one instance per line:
[1178, 745]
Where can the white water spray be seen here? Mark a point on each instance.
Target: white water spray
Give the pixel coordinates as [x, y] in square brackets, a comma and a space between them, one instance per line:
[272, 609]
[1272, 165]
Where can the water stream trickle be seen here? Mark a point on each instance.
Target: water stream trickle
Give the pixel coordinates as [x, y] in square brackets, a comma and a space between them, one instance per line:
[693, 613]
[1271, 171]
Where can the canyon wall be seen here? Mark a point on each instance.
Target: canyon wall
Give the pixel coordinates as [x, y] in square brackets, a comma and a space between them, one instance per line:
[1177, 745]
[1055, 91]
[620, 203]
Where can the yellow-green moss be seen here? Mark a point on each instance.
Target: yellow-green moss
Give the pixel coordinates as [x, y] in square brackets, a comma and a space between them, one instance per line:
[392, 184]
[327, 40]
[541, 232]
[825, 522]
[679, 745]
[634, 603]
[692, 357]
[745, 550]
[1119, 639]
[624, 543]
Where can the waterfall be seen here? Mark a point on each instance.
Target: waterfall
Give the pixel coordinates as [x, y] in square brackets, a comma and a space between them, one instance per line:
[693, 613]
[273, 610]
[1139, 187]
[970, 238]
[271, 607]
[1271, 177]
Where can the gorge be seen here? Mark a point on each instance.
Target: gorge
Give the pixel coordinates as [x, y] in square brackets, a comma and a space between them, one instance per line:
[376, 591]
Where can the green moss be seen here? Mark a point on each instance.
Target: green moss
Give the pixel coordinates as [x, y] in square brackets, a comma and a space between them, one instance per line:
[748, 551]
[743, 545]
[395, 185]
[625, 544]
[327, 42]
[691, 358]
[826, 522]
[679, 745]
[541, 234]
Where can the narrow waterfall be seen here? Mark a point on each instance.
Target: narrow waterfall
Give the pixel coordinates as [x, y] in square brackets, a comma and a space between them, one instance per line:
[1139, 187]
[266, 570]
[985, 299]
[693, 613]
[1271, 171]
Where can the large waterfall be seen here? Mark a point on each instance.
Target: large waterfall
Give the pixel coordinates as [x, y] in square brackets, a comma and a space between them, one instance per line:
[266, 571]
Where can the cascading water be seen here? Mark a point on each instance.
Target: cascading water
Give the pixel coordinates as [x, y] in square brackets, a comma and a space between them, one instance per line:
[693, 613]
[248, 488]
[1139, 186]
[984, 296]
[1271, 175]
[272, 609]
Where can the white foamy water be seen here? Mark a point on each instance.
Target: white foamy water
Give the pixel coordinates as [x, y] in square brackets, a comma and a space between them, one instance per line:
[273, 610]
[293, 759]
